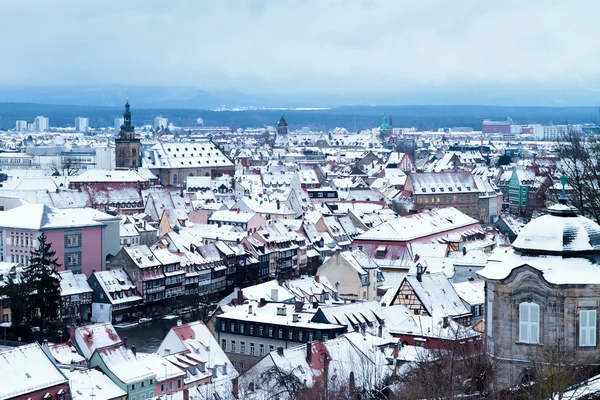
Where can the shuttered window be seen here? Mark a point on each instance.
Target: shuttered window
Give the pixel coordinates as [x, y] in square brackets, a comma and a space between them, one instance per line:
[529, 323]
[587, 328]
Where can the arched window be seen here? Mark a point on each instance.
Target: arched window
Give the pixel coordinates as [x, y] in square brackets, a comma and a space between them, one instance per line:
[529, 323]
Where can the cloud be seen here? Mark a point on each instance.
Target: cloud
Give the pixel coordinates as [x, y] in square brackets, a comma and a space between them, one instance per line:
[302, 46]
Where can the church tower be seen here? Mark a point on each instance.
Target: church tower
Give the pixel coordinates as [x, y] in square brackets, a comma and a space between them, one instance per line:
[128, 149]
[282, 126]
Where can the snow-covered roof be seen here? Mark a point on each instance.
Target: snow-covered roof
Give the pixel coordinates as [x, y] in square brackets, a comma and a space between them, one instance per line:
[73, 283]
[560, 231]
[99, 175]
[160, 366]
[117, 281]
[90, 338]
[471, 292]
[65, 353]
[124, 365]
[437, 295]
[92, 383]
[420, 225]
[554, 268]
[40, 217]
[25, 369]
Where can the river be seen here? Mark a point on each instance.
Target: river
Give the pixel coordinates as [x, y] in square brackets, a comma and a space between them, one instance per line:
[147, 336]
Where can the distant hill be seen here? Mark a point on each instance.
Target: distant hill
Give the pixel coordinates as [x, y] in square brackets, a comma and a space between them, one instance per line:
[350, 117]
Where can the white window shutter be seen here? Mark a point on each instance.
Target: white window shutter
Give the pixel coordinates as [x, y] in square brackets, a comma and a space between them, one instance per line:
[524, 322]
[534, 321]
[592, 327]
[583, 328]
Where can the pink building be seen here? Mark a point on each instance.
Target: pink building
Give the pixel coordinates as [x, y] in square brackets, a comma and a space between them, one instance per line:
[77, 240]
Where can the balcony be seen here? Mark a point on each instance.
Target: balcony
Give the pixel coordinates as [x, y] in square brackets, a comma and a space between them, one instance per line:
[154, 289]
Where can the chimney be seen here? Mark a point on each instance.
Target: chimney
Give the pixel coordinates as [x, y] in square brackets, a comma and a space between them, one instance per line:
[240, 296]
[464, 251]
[396, 352]
[250, 309]
[352, 385]
[186, 394]
[317, 278]
[263, 302]
[275, 294]
[72, 333]
[280, 351]
[299, 306]
[278, 204]
[167, 352]
[179, 322]
[134, 350]
[309, 353]
[294, 317]
[280, 282]
[416, 258]
[235, 388]
[445, 322]
[419, 272]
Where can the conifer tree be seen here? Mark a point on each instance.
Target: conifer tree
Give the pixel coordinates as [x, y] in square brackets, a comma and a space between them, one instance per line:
[44, 281]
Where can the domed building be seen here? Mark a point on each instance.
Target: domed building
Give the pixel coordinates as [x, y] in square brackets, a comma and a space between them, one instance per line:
[542, 291]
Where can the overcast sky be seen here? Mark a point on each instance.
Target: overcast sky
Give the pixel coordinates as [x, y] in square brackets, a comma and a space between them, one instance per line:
[306, 46]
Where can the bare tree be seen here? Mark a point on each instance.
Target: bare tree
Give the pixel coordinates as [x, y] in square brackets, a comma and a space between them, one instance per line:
[466, 370]
[580, 163]
[557, 372]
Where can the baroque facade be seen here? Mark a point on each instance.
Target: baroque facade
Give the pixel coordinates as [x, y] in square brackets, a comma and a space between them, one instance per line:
[544, 292]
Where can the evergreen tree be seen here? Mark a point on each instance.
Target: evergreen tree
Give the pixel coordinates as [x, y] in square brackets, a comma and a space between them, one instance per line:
[44, 281]
[18, 293]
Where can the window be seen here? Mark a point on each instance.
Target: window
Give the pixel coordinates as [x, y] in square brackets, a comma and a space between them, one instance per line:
[280, 333]
[162, 388]
[270, 331]
[290, 335]
[224, 344]
[325, 338]
[233, 346]
[143, 395]
[170, 386]
[133, 387]
[242, 327]
[72, 240]
[529, 323]
[252, 330]
[261, 349]
[271, 348]
[310, 336]
[233, 327]
[300, 335]
[179, 383]
[222, 326]
[251, 349]
[587, 328]
[243, 347]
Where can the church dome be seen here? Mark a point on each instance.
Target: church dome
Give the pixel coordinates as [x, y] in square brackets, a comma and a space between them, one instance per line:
[560, 232]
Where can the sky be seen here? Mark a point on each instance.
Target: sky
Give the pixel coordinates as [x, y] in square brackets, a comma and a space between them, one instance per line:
[402, 51]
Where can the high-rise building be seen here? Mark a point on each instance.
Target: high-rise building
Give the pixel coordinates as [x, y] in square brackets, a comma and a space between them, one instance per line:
[82, 124]
[127, 147]
[160, 123]
[42, 124]
[117, 124]
[21, 125]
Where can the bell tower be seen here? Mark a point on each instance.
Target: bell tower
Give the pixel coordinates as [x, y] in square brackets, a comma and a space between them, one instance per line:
[128, 149]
